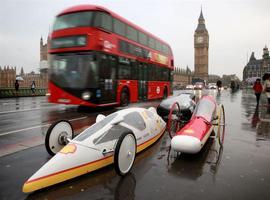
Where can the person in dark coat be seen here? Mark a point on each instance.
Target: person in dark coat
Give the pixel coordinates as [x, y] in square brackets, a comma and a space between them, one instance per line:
[258, 88]
[17, 85]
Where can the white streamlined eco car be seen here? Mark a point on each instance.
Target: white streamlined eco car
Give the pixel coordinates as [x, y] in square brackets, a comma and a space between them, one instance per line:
[112, 139]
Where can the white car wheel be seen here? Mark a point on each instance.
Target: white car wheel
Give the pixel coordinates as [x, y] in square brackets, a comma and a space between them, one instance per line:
[57, 135]
[125, 153]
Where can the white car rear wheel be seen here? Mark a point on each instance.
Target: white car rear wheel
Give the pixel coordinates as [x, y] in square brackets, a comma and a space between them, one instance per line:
[125, 153]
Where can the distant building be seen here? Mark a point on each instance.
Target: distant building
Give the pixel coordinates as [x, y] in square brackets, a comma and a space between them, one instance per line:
[41, 79]
[227, 79]
[257, 67]
[43, 64]
[201, 44]
[8, 74]
[7, 77]
[212, 78]
[182, 77]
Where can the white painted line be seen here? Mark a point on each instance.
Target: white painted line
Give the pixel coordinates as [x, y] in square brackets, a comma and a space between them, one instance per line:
[24, 129]
[39, 126]
[75, 119]
[24, 110]
[13, 111]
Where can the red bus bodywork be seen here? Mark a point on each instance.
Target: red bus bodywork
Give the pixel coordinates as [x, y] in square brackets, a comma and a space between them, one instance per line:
[107, 42]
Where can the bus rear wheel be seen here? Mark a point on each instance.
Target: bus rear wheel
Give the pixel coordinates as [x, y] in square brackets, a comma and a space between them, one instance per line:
[124, 98]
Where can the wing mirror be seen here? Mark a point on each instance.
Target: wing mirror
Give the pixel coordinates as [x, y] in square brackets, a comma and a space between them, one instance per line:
[99, 118]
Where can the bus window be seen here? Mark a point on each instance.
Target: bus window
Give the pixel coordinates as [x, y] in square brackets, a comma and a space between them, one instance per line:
[134, 69]
[151, 43]
[124, 71]
[123, 46]
[158, 46]
[158, 73]
[132, 33]
[152, 72]
[104, 67]
[73, 20]
[103, 20]
[142, 38]
[119, 27]
[165, 49]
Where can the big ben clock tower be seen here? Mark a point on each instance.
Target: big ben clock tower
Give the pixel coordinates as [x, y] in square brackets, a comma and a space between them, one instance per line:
[201, 44]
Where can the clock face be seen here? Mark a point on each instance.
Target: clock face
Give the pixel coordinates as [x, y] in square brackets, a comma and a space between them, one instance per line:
[200, 39]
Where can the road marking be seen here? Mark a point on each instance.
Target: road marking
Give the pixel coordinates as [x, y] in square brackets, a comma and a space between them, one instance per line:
[47, 106]
[24, 110]
[39, 126]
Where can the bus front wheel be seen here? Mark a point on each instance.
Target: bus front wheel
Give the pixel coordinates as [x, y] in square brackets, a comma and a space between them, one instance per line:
[124, 98]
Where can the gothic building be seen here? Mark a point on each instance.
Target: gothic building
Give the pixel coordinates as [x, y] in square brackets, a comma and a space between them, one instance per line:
[43, 50]
[257, 67]
[201, 44]
[7, 76]
[43, 64]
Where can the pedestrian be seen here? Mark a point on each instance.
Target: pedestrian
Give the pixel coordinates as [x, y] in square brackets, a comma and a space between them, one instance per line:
[17, 85]
[219, 85]
[33, 87]
[258, 88]
[266, 89]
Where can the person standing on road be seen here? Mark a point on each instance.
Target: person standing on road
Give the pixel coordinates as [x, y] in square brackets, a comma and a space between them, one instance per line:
[266, 89]
[17, 85]
[258, 88]
[33, 87]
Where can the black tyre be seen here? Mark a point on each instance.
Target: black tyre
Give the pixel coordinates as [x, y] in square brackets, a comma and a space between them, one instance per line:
[124, 98]
[125, 153]
[56, 136]
[221, 125]
[173, 120]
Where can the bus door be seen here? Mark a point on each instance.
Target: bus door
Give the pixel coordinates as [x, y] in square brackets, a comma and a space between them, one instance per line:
[107, 78]
[142, 81]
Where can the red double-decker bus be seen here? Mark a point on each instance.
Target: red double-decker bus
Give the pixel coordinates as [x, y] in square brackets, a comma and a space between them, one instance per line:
[97, 58]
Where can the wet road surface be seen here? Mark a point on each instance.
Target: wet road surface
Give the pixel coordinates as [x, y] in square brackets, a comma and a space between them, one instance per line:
[241, 170]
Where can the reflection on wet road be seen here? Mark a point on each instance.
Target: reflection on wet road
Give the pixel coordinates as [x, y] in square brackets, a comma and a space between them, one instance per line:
[241, 170]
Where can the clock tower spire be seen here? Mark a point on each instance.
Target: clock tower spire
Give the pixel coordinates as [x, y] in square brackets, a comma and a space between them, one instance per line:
[201, 44]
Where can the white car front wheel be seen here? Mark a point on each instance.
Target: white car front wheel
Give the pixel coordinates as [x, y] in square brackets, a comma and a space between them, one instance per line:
[57, 136]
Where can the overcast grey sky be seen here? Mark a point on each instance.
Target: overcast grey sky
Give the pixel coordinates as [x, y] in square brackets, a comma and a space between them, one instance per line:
[236, 28]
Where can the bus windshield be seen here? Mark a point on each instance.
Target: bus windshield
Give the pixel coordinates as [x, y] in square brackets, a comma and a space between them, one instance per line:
[73, 20]
[74, 71]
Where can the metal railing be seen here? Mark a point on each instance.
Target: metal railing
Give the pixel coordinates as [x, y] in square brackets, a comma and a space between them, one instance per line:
[22, 92]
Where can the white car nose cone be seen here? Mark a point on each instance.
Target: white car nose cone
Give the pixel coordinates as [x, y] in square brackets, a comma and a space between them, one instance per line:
[186, 144]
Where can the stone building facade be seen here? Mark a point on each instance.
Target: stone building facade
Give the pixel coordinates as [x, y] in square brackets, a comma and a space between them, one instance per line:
[201, 45]
[182, 77]
[7, 76]
[40, 79]
[257, 67]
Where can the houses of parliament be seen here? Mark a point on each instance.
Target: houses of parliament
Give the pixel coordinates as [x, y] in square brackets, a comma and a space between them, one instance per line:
[8, 74]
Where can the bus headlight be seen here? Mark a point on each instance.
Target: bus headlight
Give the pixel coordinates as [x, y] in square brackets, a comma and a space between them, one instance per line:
[86, 95]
